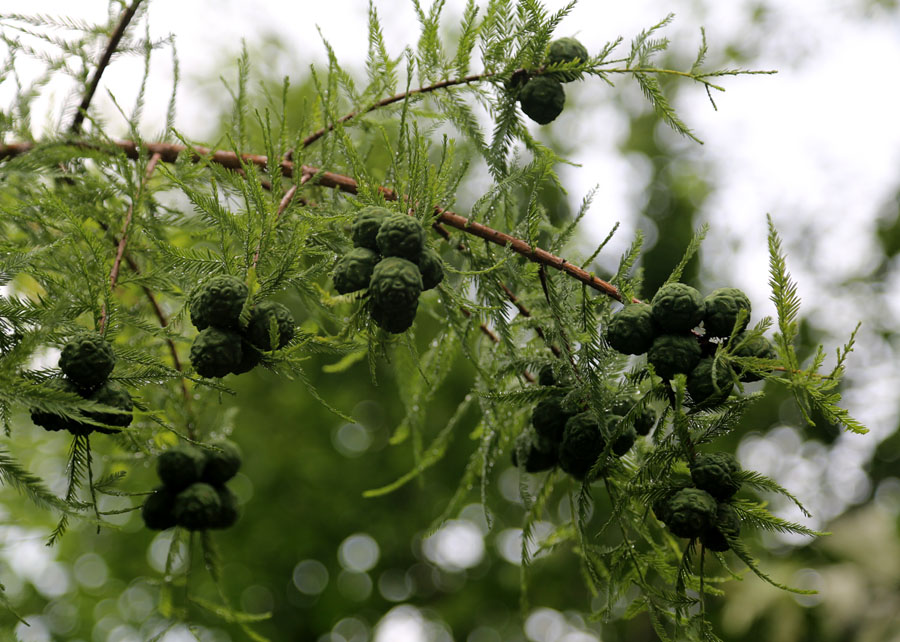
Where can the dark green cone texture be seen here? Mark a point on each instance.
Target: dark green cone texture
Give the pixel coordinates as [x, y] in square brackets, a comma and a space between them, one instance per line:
[396, 285]
[87, 360]
[631, 330]
[215, 352]
[677, 308]
[353, 271]
[717, 474]
[431, 267]
[218, 302]
[365, 227]
[197, 507]
[222, 464]
[542, 99]
[193, 494]
[726, 522]
[567, 50]
[533, 453]
[401, 235]
[180, 467]
[116, 396]
[710, 382]
[581, 445]
[266, 317]
[690, 512]
[671, 354]
[721, 309]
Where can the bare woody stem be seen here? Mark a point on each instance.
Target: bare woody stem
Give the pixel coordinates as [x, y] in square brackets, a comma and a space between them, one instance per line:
[111, 47]
[387, 101]
[169, 152]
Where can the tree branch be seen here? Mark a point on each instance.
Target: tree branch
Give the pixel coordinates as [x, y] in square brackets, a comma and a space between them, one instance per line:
[169, 152]
[111, 47]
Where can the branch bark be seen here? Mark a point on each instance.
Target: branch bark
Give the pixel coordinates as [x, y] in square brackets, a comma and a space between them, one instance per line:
[169, 152]
[111, 47]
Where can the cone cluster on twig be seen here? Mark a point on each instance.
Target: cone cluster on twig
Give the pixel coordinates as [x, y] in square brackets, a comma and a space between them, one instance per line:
[542, 98]
[564, 433]
[390, 261]
[193, 493]
[665, 329]
[701, 508]
[226, 343]
[86, 362]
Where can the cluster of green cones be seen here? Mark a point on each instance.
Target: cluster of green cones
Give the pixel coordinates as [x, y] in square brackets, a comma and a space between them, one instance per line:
[564, 433]
[226, 343]
[86, 362]
[699, 505]
[193, 493]
[679, 330]
[542, 98]
[391, 262]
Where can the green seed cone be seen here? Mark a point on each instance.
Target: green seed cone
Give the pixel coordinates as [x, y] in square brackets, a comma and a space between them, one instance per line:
[181, 466]
[671, 354]
[631, 330]
[116, 396]
[690, 512]
[270, 318]
[567, 50]
[197, 507]
[217, 302]
[221, 464]
[87, 360]
[365, 227]
[353, 271]
[721, 309]
[215, 352]
[717, 474]
[431, 267]
[677, 308]
[542, 99]
[157, 509]
[401, 235]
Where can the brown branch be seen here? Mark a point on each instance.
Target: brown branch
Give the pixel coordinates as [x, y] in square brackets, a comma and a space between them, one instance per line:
[490, 334]
[385, 102]
[169, 152]
[111, 47]
[123, 241]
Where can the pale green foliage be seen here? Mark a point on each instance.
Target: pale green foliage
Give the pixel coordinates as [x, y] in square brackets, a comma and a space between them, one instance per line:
[60, 222]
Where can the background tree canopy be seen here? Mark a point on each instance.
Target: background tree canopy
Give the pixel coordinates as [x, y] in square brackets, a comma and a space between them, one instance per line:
[377, 496]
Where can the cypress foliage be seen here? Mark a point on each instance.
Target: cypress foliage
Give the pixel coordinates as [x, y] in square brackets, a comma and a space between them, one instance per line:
[90, 222]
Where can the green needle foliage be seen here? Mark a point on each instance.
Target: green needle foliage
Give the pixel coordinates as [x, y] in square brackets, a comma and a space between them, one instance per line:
[109, 236]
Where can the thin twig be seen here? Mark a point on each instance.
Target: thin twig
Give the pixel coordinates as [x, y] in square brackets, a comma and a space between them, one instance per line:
[465, 80]
[387, 101]
[282, 206]
[111, 47]
[123, 241]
